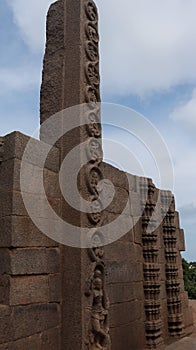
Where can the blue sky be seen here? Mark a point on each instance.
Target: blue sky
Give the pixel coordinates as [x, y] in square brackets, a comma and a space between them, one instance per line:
[148, 55]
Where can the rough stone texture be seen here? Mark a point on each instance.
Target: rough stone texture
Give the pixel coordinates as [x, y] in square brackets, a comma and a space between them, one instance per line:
[47, 292]
[30, 284]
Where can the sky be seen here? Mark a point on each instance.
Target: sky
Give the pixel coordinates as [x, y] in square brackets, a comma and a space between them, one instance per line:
[148, 55]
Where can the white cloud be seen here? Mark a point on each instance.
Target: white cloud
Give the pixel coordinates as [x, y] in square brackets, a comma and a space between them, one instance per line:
[18, 79]
[146, 46]
[30, 17]
[186, 113]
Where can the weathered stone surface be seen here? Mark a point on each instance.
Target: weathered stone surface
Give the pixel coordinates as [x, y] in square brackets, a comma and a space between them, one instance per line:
[6, 231]
[5, 323]
[10, 177]
[5, 261]
[15, 144]
[122, 272]
[123, 292]
[4, 289]
[117, 177]
[131, 334]
[21, 232]
[29, 290]
[125, 313]
[50, 339]
[144, 268]
[119, 202]
[23, 321]
[55, 291]
[31, 319]
[122, 250]
[32, 343]
[33, 261]
[181, 240]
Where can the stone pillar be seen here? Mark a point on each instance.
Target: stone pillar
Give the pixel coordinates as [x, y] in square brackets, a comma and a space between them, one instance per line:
[70, 78]
[152, 280]
[174, 302]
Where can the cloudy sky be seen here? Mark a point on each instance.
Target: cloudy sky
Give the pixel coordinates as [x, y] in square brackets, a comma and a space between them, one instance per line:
[148, 63]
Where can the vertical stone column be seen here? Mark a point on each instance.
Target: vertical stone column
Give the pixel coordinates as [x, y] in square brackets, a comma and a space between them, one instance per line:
[174, 302]
[70, 78]
[152, 285]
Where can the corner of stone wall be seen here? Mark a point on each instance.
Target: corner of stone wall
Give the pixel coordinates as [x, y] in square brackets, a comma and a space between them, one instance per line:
[30, 267]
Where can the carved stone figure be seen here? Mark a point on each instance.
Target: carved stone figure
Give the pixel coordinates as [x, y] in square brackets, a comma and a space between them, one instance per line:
[99, 330]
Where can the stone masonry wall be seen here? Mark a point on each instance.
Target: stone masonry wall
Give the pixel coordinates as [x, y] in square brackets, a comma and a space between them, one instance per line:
[141, 307]
[30, 279]
[142, 312]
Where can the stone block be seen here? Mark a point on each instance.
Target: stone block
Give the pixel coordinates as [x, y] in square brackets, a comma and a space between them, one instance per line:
[36, 203]
[131, 336]
[6, 231]
[33, 176]
[4, 289]
[20, 231]
[15, 144]
[55, 287]
[5, 261]
[119, 202]
[50, 339]
[5, 324]
[123, 250]
[123, 292]
[119, 226]
[116, 176]
[188, 319]
[132, 182]
[123, 272]
[137, 230]
[32, 343]
[125, 313]
[30, 319]
[6, 203]
[20, 322]
[23, 261]
[7, 175]
[26, 234]
[135, 205]
[177, 220]
[180, 240]
[29, 290]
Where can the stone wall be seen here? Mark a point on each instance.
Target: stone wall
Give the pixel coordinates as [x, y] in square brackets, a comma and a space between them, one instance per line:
[149, 307]
[50, 294]
[39, 301]
[30, 265]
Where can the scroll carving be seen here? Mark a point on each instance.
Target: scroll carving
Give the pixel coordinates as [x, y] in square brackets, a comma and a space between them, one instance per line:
[96, 208]
[92, 74]
[91, 11]
[97, 336]
[91, 32]
[94, 126]
[93, 176]
[91, 95]
[92, 51]
[95, 150]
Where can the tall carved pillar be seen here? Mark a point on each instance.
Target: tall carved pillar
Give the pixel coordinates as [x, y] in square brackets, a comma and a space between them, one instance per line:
[70, 78]
[174, 303]
[152, 283]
